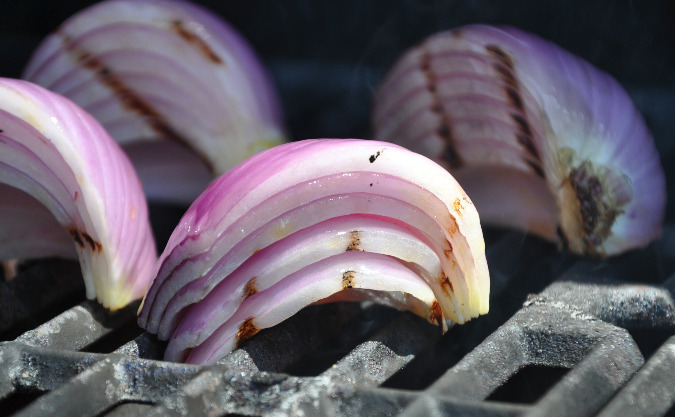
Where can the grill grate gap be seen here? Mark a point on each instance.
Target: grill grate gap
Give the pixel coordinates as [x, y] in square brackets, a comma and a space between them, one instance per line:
[649, 340]
[340, 344]
[122, 334]
[528, 384]
[18, 400]
[126, 409]
[41, 290]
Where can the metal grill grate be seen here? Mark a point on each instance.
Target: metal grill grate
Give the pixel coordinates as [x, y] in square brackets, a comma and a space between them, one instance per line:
[575, 337]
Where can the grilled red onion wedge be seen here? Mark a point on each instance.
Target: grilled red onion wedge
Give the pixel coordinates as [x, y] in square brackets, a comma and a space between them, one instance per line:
[63, 179]
[538, 138]
[176, 86]
[300, 222]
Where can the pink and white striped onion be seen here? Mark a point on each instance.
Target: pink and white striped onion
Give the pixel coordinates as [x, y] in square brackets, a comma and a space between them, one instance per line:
[64, 180]
[176, 86]
[538, 137]
[298, 223]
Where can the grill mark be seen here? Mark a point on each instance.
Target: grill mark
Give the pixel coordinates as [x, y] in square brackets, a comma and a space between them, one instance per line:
[355, 241]
[504, 67]
[194, 40]
[454, 227]
[444, 130]
[436, 313]
[536, 168]
[129, 99]
[457, 206]
[522, 125]
[246, 331]
[446, 285]
[83, 240]
[514, 98]
[250, 288]
[348, 279]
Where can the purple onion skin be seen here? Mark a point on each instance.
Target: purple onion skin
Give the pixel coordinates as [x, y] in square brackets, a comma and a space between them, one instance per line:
[490, 102]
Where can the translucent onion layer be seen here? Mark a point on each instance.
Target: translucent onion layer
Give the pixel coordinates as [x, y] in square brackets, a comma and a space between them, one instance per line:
[64, 180]
[300, 222]
[539, 138]
[163, 77]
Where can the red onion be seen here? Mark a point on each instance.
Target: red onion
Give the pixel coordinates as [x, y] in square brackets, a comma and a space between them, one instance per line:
[63, 179]
[176, 86]
[300, 222]
[538, 137]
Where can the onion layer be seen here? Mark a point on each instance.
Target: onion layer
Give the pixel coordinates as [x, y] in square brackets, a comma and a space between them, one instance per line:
[300, 222]
[539, 138]
[63, 179]
[159, 71]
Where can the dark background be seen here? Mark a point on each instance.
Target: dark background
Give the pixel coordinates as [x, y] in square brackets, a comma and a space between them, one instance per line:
[327, 57]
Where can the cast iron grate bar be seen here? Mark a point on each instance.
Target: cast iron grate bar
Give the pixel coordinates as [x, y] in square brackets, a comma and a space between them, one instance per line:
[579, 322]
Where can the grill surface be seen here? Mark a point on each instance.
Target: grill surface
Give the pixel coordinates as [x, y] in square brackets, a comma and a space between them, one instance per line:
[564, 337]
[585, 337]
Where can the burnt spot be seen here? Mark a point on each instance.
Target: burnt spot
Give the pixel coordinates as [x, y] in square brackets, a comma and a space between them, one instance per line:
[2, 131]
[83, 240]
[526, 142]
[246, 331]
[250, 288]
[453, 227]
[374, 156]
[436, 315]
[371, 184]
[457, 206]
[194, 40]
[130, 100]
[498, 53]
[444, 128]
[76, 237]
[451, 156]
[445, 283]
[597, 209]
[354, 241]
[348, 279]
[506, 74]
[523, 126]
[89, 240]
[536, 168]
[514, 98]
